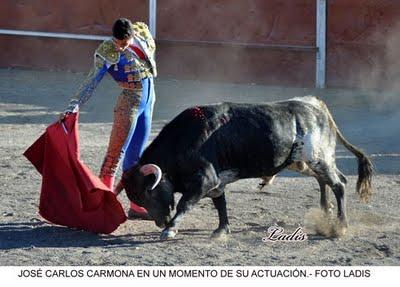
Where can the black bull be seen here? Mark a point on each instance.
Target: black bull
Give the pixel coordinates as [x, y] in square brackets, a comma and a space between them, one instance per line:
[204, 148]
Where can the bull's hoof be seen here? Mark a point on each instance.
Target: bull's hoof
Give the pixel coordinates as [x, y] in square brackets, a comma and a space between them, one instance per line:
[267, 180]
[329, 209]
[340, 231]
[168, 234]
[221, 233]
[261, 185]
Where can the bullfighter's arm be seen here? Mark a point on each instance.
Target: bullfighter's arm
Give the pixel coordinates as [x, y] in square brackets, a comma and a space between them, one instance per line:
[88, 86]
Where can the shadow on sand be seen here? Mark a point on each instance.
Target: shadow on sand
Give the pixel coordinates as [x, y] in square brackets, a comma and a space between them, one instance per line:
[42, 235]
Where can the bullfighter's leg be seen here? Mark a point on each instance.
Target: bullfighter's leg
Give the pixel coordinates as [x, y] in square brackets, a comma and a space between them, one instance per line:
[125, 114]
[133, 148]
[196, 187]
[220, 205]
[139, 134]
[129, 106]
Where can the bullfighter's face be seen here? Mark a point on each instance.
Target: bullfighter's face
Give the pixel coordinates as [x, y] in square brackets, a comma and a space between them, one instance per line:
[122, 44]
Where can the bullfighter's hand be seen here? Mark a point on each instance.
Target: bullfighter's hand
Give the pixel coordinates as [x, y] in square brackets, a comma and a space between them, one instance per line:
[62, 116]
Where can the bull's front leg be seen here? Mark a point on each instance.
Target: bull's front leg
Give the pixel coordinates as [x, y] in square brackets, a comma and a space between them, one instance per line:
[223, 227]
[195, 187]
[184, 205]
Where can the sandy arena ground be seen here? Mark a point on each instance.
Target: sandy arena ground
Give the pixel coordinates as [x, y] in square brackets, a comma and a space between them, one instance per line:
[31, 100]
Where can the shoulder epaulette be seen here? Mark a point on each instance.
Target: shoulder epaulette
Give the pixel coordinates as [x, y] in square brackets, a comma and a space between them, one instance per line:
[142, 31]
[107, 51]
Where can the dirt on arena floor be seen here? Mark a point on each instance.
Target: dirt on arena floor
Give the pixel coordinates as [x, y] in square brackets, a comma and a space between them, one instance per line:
[31, 100]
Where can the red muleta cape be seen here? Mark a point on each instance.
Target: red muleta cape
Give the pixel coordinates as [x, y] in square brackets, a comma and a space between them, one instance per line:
[71, 195]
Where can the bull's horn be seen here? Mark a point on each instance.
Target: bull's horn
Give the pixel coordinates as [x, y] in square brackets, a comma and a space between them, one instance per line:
[148, 169]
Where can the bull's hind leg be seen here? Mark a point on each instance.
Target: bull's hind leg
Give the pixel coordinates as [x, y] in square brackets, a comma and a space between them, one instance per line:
[331, 176]
[266, 180]
[223, 227]
[304, 169]
[298, 166]
[325, 202]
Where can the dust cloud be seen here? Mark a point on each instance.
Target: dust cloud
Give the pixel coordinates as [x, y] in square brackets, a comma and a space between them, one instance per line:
[316, 220]
[380, 77]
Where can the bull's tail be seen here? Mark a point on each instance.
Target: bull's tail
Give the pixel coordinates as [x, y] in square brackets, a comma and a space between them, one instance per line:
[365, 166]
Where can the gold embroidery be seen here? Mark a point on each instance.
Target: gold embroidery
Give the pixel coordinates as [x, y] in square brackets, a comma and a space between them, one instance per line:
[125, 112]
[107, 51]
[98, 62]
[87, 87]
[131, 86]
[128, 55]
[131, 78]
[141, 68]
[142, 31]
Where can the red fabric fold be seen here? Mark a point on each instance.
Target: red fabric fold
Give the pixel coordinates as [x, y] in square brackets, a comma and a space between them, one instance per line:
[71, 195]
[138, 52]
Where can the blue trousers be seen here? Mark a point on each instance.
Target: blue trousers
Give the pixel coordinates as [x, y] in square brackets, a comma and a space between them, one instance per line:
[131, 128]
[139, 132]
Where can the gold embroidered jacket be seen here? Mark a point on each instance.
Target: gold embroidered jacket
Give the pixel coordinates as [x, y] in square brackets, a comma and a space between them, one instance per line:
[127, 68]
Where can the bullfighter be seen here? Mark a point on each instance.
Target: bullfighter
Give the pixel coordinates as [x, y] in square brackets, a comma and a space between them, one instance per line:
[128, 56]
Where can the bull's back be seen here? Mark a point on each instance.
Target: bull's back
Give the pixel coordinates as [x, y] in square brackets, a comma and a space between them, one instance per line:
[255, 140]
